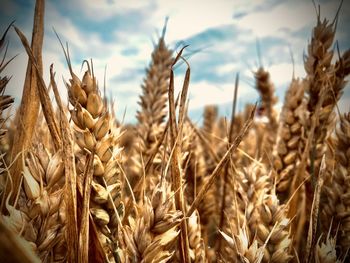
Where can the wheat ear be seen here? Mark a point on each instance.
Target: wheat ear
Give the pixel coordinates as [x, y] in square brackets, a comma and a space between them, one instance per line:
[151, 236]
[96, 136]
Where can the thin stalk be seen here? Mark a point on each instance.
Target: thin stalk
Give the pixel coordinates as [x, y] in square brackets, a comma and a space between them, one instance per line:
[226, 174]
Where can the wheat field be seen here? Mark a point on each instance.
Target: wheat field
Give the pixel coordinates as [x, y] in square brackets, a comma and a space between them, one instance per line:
[79, 185]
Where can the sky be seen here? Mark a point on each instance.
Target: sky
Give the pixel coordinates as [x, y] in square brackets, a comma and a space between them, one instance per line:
[222, 35]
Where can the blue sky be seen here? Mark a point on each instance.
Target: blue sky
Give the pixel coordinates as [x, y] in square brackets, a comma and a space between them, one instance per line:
[223, 34]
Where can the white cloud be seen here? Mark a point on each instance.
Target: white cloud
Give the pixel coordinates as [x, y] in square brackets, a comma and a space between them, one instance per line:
[187, 18]
[228, 68]
[203, 93]
[270, 22]
[287, 15]
[343, 104]
[104, 9]
[283, 73]
[16, 70]
[82, 46]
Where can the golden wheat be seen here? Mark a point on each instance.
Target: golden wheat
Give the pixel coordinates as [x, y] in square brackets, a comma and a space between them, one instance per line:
[242, 189]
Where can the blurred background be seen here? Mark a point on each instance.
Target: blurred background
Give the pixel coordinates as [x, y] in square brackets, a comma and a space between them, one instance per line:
[224, 38]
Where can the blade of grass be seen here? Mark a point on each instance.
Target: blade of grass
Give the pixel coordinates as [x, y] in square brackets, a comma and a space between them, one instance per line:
[70, 177]
[176, 173]
[29, 107]
[43, 94]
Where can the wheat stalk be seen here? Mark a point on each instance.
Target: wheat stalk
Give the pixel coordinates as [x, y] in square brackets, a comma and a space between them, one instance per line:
[95, 136]
[291, 137]
[322, 74]
[194, 197]
[335, 206]
[324, 89]
[151, 116]
[266, 91]
[153, 98]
